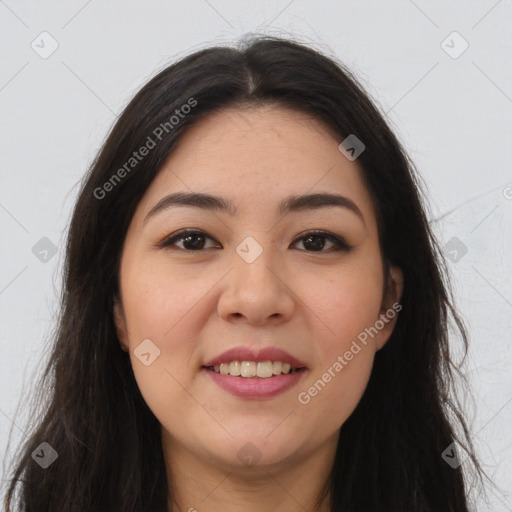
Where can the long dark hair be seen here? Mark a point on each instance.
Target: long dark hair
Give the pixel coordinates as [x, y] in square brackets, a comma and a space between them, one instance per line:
[390, 450]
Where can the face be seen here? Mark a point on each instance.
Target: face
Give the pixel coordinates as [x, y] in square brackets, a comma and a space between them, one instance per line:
[255, 278]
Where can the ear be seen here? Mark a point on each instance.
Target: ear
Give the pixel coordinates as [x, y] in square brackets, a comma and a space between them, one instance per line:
[390, 305]
[120, 323]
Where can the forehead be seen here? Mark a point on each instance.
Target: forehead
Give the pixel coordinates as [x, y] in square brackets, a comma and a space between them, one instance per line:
[265, 139]
[257, 156]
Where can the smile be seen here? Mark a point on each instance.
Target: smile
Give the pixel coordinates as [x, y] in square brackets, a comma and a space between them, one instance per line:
[251, 369]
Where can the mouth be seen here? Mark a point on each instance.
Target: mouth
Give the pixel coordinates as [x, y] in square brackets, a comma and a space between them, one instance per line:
[254, 369]
[255, 381]
[250, 373]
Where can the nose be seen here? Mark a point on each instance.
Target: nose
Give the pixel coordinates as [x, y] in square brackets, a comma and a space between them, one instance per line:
[259, 292]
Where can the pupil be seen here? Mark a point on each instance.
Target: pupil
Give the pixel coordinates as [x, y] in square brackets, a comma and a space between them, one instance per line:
[320, 246]
[193, 245]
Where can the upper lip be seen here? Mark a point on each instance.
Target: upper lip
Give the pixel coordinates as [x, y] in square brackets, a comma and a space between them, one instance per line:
[257, 355]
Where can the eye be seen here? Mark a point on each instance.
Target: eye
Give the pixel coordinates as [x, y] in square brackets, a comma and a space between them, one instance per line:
[311, 239]
[193, 240]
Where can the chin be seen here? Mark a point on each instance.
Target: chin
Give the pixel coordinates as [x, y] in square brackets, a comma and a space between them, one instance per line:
[253, 450]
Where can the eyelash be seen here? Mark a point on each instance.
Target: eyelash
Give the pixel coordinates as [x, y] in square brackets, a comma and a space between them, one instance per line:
[340, 244]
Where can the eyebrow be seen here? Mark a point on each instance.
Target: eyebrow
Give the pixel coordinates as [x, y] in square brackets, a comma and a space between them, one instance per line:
[220, 204]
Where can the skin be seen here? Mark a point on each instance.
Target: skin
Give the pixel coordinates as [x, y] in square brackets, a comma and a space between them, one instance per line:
[194, 305]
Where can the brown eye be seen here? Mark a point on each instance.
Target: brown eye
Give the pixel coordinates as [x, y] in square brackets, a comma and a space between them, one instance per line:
[315, 240]
[191, 240]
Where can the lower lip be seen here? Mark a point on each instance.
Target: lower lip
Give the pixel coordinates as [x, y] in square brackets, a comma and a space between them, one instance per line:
[255, 388]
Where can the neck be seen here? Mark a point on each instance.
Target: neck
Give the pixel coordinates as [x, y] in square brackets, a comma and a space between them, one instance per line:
[205, 484]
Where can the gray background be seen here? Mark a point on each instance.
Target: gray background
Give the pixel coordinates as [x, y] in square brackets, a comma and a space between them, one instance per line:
[452, 110]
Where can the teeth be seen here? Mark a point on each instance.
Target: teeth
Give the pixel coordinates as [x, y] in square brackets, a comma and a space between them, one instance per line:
[264, 369]
[250, 369]
[234, 368]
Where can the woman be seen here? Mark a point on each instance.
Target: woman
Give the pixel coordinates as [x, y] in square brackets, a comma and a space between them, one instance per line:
[213, 353]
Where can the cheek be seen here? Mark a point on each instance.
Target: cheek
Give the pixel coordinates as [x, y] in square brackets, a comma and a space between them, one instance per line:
[344, 301]
[345, 355]
[345, 307]
[331, 395]
[159, 299]
[160, 307]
